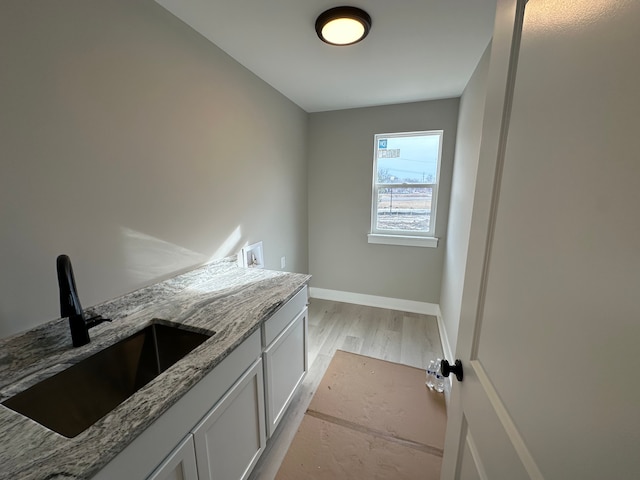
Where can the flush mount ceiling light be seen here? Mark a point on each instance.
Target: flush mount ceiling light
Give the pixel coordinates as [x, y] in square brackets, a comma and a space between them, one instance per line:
[343, 25]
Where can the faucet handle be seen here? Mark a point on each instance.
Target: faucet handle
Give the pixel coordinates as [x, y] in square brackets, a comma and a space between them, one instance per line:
[95, 320]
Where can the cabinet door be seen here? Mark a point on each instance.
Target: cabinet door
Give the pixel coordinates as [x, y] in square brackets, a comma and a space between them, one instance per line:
[286, 365]
[179, 465]
[231, 437]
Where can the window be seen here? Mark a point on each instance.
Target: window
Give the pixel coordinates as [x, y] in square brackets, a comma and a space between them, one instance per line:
[406, 168]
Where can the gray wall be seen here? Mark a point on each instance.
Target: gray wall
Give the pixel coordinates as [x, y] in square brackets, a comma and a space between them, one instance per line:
[340, 176]
[135, 146]
[462, 192]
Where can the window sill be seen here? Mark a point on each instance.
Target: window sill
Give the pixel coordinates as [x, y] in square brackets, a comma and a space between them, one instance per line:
[403, 240]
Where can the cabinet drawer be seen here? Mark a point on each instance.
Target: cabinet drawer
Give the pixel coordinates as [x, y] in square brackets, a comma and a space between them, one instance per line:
[290, 310]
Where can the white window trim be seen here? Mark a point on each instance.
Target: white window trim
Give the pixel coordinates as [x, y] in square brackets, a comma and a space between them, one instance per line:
[403, 240]
[388, 237]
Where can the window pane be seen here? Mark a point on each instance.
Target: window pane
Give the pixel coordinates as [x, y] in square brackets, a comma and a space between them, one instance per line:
[404, 209]
[408, 159]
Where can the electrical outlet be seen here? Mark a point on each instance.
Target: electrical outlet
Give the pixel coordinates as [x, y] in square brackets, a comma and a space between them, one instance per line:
[283, 262]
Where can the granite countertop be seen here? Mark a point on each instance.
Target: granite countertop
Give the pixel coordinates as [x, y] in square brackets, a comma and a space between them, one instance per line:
[218, 297]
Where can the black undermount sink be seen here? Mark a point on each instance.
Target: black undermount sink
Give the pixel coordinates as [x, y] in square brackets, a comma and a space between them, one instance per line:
[74, 399]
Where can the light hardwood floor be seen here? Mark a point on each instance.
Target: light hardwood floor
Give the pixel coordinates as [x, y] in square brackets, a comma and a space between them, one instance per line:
[401, 337]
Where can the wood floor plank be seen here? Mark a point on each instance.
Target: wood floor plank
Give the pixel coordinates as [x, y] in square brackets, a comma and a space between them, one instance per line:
[319, 332]
[396, 320]
[351, 344]
[387, 345]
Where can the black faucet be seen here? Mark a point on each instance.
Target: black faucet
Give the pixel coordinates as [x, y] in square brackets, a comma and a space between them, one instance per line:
[70, 304]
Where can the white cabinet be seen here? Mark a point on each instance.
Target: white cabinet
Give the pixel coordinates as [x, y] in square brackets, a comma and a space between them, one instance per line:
[285, 361]
[231, 437]
[180, 464]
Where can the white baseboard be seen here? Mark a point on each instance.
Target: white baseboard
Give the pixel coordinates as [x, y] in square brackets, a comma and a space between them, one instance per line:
[375, 301]
[446, 345]
[447, 353]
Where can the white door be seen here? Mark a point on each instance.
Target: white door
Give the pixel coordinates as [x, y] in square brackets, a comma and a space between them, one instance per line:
[550, 325]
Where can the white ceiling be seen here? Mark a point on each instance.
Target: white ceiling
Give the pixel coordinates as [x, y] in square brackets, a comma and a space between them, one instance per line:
[416, 50]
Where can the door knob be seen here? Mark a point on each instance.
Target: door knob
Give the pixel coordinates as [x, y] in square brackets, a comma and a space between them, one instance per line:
[456, 369]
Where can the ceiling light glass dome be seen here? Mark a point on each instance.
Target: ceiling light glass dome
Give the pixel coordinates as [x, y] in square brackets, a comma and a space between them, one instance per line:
[343, 25]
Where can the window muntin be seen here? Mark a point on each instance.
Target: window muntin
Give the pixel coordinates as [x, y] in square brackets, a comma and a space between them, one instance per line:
[406, 170]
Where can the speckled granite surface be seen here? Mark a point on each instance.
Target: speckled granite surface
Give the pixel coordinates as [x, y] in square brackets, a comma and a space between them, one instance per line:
[218, 297]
